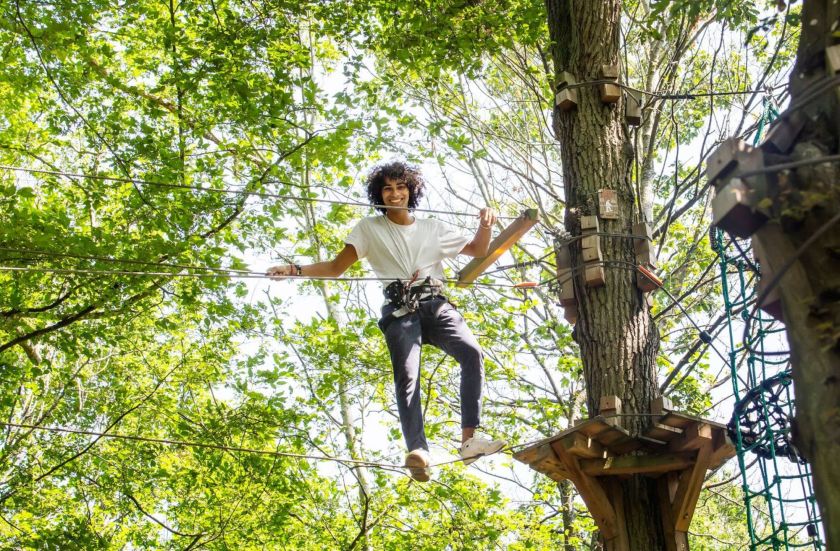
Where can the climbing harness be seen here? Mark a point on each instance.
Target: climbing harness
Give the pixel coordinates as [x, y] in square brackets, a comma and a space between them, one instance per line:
[409, 295]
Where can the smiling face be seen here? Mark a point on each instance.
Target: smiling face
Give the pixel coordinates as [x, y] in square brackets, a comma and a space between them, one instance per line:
[395, 193]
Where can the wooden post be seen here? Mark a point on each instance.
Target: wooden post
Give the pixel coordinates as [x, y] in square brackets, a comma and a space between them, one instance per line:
[498, 246]
[599, 503]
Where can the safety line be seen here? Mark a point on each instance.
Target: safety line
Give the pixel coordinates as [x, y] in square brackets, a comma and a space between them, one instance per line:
[222, 447]
[55, 254]
[188, 444]
[248, 275]
[262, 195]
[671, 96]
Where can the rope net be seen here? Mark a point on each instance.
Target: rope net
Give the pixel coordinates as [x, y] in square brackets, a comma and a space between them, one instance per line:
[778, 490]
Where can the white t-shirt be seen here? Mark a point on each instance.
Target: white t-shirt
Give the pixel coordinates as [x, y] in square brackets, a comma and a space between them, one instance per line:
[396, 251]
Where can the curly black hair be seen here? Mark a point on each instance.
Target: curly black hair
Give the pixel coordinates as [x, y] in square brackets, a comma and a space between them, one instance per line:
[400, 172]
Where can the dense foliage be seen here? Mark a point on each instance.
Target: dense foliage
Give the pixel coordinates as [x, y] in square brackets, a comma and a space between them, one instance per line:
[201, 131]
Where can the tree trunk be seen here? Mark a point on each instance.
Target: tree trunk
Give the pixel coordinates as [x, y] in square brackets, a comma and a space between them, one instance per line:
[810, 288]
[617, 337]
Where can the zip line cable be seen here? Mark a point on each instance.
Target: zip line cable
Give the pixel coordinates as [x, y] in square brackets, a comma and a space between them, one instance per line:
[259, 194]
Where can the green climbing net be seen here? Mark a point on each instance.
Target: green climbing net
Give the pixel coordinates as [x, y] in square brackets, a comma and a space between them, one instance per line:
[778, 491]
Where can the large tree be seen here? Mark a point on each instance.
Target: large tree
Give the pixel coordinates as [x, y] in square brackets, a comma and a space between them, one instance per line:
[801, 245]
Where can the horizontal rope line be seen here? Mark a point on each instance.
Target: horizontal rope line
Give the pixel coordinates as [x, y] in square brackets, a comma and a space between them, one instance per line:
[248, 275]
[222, 447]
[262, 195]
[674, 96]
[56, 254]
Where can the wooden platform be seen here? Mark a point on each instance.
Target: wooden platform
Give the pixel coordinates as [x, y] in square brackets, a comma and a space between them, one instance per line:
[676, 448]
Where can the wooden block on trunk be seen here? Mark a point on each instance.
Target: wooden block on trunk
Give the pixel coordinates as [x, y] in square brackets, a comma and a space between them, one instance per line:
[567, 293]
[609, 71]
[646, 280]
[565, 98]
[610, 407]
[832, 59]
[592, 254]
[609, 403]
[589, 224]
[632, 109]
[594, 275]
[725, 158]
[772, 303]
[608, 204]
[783, 133]
[590, 242]
[610, 92]
[661, 405]
[645, 254]
[733, 209]
[570, 313]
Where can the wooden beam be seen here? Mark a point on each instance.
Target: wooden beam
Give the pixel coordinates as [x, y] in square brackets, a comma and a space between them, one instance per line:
[582, 446]
[637, 464]
[674, 540]
[688, 491]
[694, 436]
[498, 246]
[722, 448]
[592, 493]
[622, 540]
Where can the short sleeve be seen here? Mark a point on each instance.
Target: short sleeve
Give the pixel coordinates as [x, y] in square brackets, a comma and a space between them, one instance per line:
[360, 239]
[451, 242]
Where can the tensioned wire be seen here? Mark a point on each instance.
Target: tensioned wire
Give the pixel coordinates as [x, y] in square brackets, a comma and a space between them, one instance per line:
[259, 194]
[275, 453]
[236, 275]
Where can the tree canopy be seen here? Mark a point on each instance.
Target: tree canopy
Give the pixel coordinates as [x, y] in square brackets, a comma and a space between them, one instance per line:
[157, 157]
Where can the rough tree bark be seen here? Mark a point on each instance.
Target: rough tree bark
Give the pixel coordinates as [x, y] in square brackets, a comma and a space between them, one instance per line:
[809, 201]
[617, 337]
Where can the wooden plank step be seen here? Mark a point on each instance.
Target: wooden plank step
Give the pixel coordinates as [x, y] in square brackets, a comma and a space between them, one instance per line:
[504, 241]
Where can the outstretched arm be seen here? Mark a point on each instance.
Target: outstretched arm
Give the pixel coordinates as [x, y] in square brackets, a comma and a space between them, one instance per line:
[330, 268]
[481, 242]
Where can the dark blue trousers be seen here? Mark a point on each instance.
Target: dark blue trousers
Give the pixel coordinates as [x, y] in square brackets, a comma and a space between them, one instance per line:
[436, 322]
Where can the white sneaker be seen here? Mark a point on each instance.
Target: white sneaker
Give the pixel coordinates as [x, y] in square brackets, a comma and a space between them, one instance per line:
[476, 447]
[417, 462]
